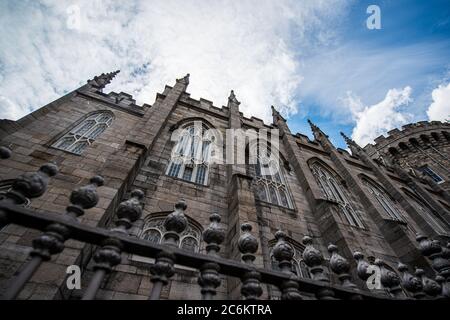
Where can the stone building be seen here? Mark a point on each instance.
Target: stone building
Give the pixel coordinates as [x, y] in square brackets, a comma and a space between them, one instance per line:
[373, 200]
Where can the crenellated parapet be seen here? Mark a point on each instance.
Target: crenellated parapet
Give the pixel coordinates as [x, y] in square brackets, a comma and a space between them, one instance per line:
[420, 134]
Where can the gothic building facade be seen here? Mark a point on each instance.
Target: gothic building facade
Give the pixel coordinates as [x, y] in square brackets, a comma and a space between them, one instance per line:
[374, 199]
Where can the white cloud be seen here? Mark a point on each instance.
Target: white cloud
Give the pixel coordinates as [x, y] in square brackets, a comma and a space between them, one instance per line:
[223, 45]
[440, 108]
[377, 119]
[369, 70]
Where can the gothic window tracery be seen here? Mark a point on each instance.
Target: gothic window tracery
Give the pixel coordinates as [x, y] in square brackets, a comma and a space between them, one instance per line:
[85, 133]
[154, 231]
[435, 223]
[6, 186]
[383, 199]
[191, 154]
[270, 182]
[334, 190]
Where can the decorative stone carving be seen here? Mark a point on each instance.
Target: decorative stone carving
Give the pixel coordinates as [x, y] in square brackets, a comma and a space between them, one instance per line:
[389, 279]
[176, 221]
[85, 197]
[209, 278]
[214, 235]
[130, 210]
[361, 269]
[247, 243]
[283, 253]
[411, 283]
[34, 184]
[430, 286]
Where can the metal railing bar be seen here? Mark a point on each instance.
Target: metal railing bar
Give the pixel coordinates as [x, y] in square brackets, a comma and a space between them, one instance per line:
[94, 235]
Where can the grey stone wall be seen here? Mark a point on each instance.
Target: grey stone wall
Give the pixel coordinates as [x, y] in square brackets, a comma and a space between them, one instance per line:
[134, 152]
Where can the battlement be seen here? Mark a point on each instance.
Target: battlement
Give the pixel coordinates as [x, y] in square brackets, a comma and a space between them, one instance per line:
[223, 111]
[407, 132]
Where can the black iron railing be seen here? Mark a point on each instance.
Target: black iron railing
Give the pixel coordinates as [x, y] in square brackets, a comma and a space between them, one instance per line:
[112, 243]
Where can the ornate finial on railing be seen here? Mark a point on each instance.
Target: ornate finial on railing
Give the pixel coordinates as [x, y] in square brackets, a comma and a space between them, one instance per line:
[163, 268]
[209, 278]
[426, 246]
[175, 223]
[129, 211]
[314, 260]
[85, 197]
[110, 254]
[27, 185]
[433, 251]
[411, 283]
[283, 254]
[5, 152]
[214, 235]
[52, 240]
[430, 286]
[362, 266]
[32, 184]
[248, 245]
[389, 279]
[341, 266]
[441, 281]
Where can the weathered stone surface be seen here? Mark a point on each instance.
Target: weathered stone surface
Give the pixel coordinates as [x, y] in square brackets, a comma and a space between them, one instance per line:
[134, 152]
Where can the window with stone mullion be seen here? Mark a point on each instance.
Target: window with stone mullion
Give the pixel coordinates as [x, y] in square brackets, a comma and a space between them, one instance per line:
[333, 191]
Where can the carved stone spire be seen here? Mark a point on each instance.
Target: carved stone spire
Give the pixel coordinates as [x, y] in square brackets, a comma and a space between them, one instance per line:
[184, 80]
[276, 115]
[232, 99]
[354, 147]
[320, 136]
[100, 82]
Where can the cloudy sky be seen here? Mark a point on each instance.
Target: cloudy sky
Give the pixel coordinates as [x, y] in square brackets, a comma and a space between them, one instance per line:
[311, 59]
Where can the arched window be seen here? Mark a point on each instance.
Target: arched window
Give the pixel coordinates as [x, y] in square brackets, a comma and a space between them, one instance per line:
[191, 154]
[393, 151]
[299, 267]
[335, 191]
[154, 231]
[270, 181]
[427, 214]
[383, 199]
[5, 186]
[403, 146]
[84, 134]
[424, 138]
[435, 136]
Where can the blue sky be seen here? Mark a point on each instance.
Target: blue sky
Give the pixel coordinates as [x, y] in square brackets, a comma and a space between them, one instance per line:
[411, 49]
[311, 59]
